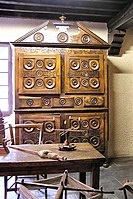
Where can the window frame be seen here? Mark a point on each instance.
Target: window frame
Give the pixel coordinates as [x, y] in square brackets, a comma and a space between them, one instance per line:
[10, 88]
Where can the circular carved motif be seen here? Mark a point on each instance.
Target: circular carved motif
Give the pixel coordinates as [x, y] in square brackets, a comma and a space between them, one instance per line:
[28, 83]
[39, 82]
[39, 73]
[85, 82]
[74, 124]
[74, 83]
[50, 64]
[62, 37]
[75, 140]
[94, 141]
[49, 83]
[94, 64]
[39, 63]
[29, 64]
[78, 101]
[85, 124]
[46, 101]
[94, 101]
[74, 64]
[62, 101]
[28, 130]
[30, 102]
[94, 82]
[49, 127]
[94, 123]
[85, 39]
[28, 142]
[38, 37]
[84, 140]
[84, 64]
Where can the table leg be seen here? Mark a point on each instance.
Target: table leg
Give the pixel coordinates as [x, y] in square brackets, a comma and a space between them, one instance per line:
[94, 177]
[82, 178]
[5, 187]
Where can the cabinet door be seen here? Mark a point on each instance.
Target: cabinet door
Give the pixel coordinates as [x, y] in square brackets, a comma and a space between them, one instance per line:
[39, 74]
[31, 135]
[88, 127]
[84, 74]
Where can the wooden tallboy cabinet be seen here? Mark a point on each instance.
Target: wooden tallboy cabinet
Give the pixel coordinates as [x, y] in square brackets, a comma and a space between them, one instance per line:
[61, 80]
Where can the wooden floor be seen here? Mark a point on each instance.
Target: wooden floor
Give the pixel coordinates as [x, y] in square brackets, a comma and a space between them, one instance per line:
[111, 180]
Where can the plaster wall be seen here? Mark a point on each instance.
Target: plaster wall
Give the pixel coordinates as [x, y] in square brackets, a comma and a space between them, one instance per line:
[121, 99]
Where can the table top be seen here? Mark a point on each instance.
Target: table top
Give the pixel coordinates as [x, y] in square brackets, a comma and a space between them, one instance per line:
[84, 155]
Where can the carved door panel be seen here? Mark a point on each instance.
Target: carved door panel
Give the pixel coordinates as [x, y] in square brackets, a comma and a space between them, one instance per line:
[90, 127]
[39, 74]
[30, 135]
[84, 74]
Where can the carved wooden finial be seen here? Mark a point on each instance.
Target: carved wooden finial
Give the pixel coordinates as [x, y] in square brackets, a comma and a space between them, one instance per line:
[62, 18]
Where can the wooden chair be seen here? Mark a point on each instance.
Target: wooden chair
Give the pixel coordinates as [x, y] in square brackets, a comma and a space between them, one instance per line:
[62, 184]
[127, 186]
[16, 138]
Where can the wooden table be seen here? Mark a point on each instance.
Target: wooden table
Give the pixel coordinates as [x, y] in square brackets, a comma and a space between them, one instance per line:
[84, 159]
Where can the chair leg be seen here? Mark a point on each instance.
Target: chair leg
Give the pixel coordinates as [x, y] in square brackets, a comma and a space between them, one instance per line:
[5, 187]
[125, 194]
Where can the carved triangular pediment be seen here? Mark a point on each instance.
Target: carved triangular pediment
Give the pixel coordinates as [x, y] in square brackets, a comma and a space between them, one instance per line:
[62, 33]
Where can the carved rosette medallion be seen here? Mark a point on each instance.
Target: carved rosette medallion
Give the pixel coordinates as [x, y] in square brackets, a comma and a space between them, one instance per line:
[95, 141]
[94, 83]
[46, 101]
[85, 39]
[74, 83]
[78, 101]
[94, 64]
[62, 37]
[62, 101]
[50, 64]
[74, 64]
[84, 123]
[75, 124]
[29, 64]
[38, 37]
[49, 126]
[30, 102]
[94, 123]
[29, 83]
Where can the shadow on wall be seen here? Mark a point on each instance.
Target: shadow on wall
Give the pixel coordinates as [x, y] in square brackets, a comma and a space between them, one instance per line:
[128, 41]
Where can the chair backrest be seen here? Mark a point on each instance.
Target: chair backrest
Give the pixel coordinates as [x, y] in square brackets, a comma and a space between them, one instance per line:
[2, 128]
[25, 193]
[31, 133]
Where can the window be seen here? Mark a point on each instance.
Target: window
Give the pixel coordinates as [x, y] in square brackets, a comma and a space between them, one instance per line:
[5, 79]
